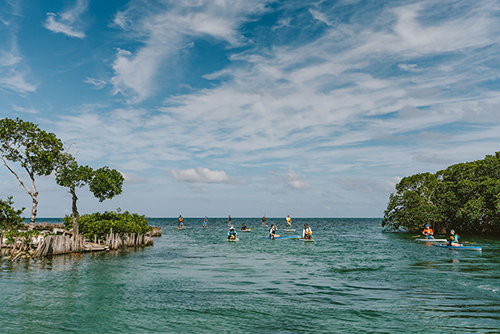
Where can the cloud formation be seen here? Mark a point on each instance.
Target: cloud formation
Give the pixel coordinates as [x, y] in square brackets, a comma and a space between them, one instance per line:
[200, 175]
[166, 30]
[69, 21]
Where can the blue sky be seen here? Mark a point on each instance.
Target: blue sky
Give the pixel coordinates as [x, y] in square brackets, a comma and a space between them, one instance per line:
[211, 108]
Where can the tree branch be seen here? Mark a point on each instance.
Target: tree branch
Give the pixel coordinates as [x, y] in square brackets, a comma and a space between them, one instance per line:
[18, 178]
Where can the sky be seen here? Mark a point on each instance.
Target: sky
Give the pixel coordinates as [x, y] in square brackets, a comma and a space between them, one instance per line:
[251, 107]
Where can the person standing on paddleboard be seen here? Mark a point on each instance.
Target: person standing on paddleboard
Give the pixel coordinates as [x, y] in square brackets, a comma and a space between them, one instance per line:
[306, 232]
[231, 235]
[229, 221]
[180, 222]
[205, 222]
[428, 232]
[288, 223]
[264, 221]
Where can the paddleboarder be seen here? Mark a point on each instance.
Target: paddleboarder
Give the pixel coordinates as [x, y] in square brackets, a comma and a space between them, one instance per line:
[429, 234]
[180, 222]
[264, 221]
[454, 239]
[272, 232]
[288, 223]
[244, 227]
[231, 235]
[306, 232]
[205, 222]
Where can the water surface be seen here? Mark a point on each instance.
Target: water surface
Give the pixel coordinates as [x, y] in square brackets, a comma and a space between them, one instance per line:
[353, 279]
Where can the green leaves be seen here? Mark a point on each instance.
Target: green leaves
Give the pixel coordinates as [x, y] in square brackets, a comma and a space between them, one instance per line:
[25, 143]
[106, 184]
[101, 223]
[10, 218]
[464, 196]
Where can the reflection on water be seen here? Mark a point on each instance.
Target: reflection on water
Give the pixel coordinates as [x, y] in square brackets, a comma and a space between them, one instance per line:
[194, 281]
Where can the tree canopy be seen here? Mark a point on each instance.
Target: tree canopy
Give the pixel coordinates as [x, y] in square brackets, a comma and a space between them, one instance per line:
[36, 151]
[464, 196]
[104, 183]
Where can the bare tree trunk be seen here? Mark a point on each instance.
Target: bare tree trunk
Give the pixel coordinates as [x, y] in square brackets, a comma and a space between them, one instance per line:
[33, 194]
[74, 213]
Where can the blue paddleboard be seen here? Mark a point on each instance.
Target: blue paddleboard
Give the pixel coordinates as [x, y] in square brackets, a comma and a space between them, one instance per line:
[287, 237]
[460, 247]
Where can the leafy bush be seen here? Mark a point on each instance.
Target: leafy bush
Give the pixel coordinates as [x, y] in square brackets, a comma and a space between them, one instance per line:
[10, 218]
[101, 223]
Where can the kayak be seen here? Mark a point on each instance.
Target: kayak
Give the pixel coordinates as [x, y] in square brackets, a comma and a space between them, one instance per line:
[433, 240]
[306, 240]
[233, 240]
[460, 247]
[287, 237]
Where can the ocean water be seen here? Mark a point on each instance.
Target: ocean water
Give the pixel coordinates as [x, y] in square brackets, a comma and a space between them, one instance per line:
[353, 279]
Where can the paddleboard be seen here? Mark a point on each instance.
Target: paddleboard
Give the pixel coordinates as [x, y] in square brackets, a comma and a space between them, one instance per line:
[289, 230]
[306, 240]
[247, 230]
[287, 237]
[180, 228]
[460, 247]
[233, 240]
[433, 240]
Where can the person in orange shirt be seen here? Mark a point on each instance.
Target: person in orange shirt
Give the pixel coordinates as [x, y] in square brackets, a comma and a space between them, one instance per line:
[429, 234]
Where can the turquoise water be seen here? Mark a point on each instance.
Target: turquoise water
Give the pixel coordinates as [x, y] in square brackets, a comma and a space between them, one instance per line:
[353, 279]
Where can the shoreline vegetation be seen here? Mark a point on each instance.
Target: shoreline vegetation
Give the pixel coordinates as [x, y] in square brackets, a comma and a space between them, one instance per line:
[464, 197]
[25, 148]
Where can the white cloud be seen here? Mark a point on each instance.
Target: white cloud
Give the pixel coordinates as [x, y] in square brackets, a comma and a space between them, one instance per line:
[69, 22]
[320, 17]
[98, 84]
[409, 67]
[296, 181]
[166, 31]
[200, 175]
[25, 110]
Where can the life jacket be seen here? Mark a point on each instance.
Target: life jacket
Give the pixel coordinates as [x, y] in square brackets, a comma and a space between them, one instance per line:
[427, 230]
[288, 219]
[454, 238]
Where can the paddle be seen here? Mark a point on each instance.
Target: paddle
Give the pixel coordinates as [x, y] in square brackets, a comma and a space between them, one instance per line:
[469, 242]
[416, 236]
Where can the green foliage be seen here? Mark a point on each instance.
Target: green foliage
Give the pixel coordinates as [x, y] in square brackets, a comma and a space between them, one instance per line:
[101, 223]
[10, 218]
[464, 197]
[25, 236]
[72, 175]
[25, 143]
[106, 183]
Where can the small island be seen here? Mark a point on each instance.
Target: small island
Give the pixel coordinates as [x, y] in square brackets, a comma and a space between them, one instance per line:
[39, 153]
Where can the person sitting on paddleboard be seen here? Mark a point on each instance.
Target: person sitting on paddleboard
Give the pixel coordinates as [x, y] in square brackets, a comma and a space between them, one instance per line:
[243, 227]
[231, 235]
[429, 234]
[288, 223]
[272, 232]
[181, 221]
[454, 239]
[306, 232]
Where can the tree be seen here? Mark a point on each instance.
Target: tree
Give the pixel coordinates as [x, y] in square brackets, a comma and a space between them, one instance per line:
[416, 201]
[38, 152]
[104, 183]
